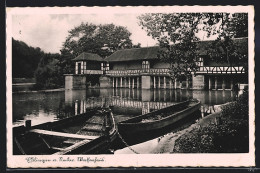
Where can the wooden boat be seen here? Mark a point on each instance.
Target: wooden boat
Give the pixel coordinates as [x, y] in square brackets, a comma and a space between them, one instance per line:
[160, 118]
[88, 133]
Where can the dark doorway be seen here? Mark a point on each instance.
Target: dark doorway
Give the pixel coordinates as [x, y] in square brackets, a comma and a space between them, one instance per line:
[79, 68]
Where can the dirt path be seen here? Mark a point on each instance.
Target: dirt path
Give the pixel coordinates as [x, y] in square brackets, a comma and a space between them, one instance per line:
[167, 143]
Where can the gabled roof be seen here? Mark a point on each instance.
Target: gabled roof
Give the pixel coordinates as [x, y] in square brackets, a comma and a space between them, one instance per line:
[240, 43]
[134, 54]
[148, 53]
[88, 57]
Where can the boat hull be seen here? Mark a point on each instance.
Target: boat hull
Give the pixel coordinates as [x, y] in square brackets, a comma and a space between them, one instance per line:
[129, 128]
[46, 139]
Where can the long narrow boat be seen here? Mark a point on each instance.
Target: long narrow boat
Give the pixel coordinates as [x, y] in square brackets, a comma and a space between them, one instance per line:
[88, 133]
[160, 118]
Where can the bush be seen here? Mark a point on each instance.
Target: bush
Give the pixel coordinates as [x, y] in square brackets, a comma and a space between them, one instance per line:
[231, 136]
[237, 109]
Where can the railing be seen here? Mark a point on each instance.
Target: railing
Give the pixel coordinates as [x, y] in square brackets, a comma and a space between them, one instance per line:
[157, 71]
[238, 69]
[123, 72]
[160, 71]
[93, 72]
[165, 71]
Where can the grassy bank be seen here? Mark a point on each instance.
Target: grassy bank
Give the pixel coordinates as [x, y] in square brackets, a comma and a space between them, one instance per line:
[228, 134]
[23, 80]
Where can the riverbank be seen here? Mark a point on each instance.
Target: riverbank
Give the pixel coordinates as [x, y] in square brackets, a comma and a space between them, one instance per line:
[224, 131]
[35, 91]
[167, 143]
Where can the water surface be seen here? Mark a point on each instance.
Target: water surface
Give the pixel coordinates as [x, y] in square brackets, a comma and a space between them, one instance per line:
[43, 107]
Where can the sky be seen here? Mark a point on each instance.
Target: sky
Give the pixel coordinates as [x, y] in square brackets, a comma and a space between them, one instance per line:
[49, 31]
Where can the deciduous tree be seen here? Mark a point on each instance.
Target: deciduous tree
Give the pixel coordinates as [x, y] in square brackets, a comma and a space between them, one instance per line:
[178, 35]
[99, 39]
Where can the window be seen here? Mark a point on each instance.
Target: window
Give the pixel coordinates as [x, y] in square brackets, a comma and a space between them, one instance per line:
[107, 68]
[145, 65]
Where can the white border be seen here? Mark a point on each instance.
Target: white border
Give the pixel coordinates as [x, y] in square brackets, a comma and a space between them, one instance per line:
[148, 160]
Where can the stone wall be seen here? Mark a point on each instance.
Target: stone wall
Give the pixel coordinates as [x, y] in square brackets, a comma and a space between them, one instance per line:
[146, 82]
[75, 82]
[198, 82]
[105, 82]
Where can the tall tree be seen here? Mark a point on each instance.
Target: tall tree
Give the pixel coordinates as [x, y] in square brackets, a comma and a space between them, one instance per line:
[99, 39]
[227, 48]
[48, 73]
[25, 59]
[178, 36]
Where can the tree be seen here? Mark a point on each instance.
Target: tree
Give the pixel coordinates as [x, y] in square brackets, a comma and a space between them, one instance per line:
[99, 39]
[178, 36]
[25, 59]
[228, 27]
[48, 73]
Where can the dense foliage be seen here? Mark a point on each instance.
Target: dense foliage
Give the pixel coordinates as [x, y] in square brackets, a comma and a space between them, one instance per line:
[98, 39]
[48, 73]
[231, 135]
[25, 59]
[178, 35]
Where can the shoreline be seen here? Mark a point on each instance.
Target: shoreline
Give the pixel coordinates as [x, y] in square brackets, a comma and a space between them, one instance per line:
[167, 143]
[35, 91]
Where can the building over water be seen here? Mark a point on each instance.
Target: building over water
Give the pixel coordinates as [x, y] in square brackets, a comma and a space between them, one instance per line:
[141, 68]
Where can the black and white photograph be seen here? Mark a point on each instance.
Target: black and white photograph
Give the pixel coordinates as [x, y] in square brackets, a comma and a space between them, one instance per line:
[161, 86]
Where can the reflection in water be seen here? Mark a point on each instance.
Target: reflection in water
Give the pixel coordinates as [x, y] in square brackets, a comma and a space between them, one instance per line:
[42, 107]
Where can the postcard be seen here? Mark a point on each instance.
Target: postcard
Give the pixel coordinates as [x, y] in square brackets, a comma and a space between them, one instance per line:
[135, 86]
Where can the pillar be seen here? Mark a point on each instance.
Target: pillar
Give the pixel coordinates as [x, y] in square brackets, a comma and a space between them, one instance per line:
[223, 83]
[125, 81]
[231, 84]
[121, 82]
[164, 82]
[154, 82]
[137, 83]
[216, 83]
[146, 82]
[175, 83]
[187, 82]
[210, 83]
[129, 82]
[113, 82]
[116, 82]
[133, 82]
[159, 82]
[170, 82]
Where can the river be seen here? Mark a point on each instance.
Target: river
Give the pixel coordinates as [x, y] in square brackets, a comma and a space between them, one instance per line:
[40, 107]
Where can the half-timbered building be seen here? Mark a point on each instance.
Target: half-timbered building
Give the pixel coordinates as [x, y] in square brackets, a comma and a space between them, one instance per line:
[141, 68]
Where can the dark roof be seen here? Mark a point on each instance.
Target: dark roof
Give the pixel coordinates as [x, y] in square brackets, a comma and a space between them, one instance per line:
[88, 57]
[240, 43]
[151, 52]
[148, 53]
[134, 54]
